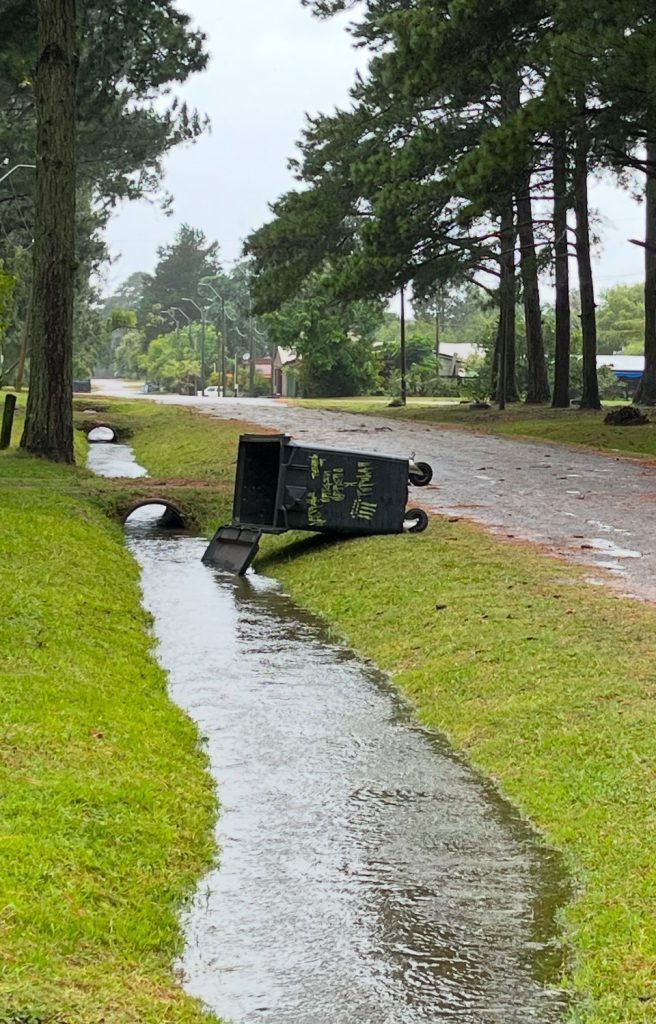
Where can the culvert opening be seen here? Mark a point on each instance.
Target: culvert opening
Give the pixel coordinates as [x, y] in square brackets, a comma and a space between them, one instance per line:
[101, 434]
[155, 512]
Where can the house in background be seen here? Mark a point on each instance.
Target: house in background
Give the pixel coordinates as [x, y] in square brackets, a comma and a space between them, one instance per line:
[627, 369]
[624, 367]
[263, 366]
[454, 356]
[285, 373]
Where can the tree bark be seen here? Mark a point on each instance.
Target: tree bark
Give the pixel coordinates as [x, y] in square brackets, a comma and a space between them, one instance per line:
[49, 416]
[590, 395]
[538, 381]
[563, 311]
[507, 384]
[646, 393]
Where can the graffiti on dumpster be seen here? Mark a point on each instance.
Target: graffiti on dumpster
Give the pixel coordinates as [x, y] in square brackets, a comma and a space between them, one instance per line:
[314, 516]
[332, 487]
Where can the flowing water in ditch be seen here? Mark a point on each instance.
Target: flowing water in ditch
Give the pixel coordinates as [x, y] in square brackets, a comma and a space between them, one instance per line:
[367, 875]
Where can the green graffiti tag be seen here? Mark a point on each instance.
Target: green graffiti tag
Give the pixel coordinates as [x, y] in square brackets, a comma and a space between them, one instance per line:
[314, 515]
[331, 487]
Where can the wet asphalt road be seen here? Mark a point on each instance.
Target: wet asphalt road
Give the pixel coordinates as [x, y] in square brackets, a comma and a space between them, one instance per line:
[598, 510]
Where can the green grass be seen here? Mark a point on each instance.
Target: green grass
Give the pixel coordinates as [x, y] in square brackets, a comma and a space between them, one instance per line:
[107, 806]
[562, 426]
[546, 683]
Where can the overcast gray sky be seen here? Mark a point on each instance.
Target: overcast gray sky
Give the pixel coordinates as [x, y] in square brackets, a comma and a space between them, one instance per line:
[271, 63]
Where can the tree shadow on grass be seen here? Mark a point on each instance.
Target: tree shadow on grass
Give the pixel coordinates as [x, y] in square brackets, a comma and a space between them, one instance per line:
[302, 546]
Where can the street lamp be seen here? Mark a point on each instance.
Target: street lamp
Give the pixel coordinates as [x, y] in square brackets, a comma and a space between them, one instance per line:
[253, 333]
[176, 309]
[16, 167]
[208, 286]
[173, 317]
[201, 310]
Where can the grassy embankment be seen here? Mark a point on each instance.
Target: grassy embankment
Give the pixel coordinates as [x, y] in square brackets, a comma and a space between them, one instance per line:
[107, 808]
[545, 682]
[200, 478]
[563, 426]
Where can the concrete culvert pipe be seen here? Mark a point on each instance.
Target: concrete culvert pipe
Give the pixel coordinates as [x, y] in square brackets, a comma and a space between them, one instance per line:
[102, 434]
[167, 515]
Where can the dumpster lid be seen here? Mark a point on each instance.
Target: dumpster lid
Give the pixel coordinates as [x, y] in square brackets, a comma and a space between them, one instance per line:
[233, 548]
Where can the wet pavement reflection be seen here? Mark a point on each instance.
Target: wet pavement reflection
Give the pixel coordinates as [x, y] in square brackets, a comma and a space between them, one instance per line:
[367, 875]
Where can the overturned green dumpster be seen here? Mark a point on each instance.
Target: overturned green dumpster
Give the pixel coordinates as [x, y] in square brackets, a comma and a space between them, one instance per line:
[282, 485]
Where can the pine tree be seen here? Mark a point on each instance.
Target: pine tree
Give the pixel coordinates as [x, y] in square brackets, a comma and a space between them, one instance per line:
[49, 417]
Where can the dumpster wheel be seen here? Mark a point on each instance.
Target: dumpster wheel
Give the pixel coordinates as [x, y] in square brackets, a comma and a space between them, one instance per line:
[418, 520]
[420, 474]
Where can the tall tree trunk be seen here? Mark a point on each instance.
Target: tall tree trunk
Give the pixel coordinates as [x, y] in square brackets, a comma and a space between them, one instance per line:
[590, 395]
[563, 311]
[49, 417]
[647, 390]
[508, 295]
[538, 382]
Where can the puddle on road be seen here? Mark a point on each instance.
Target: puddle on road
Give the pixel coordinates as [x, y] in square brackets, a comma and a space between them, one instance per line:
[367, 875]
[607, 547]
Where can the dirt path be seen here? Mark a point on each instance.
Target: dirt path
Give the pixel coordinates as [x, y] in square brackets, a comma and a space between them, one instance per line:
[596, 509]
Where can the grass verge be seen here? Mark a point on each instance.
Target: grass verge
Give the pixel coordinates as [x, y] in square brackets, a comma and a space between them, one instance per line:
[546, 682]
[107, 805]
[561, 426]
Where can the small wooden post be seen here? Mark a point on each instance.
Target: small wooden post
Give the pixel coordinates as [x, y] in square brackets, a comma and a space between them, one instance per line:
[7, 421]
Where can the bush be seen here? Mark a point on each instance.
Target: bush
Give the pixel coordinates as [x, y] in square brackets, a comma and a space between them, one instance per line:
[261, 386]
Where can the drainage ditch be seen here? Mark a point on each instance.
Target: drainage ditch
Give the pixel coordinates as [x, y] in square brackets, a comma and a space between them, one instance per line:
[367, 875]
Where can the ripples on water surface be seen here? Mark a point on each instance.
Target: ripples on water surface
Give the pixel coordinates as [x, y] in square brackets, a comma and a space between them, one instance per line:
[367, 875]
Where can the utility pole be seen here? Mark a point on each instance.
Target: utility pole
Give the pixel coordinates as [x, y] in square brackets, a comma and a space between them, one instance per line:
[438, 296]
[251, 346]
[404, 390]
[224, 338]
[201, 310]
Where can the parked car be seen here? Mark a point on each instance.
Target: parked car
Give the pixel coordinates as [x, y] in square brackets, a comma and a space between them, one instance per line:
[213, 391]
[151, 387]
